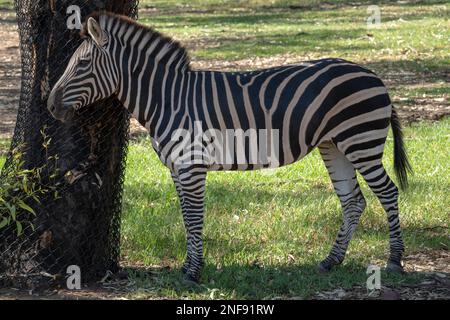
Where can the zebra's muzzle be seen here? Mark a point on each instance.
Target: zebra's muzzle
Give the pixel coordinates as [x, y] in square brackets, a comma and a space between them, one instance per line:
[56, 106]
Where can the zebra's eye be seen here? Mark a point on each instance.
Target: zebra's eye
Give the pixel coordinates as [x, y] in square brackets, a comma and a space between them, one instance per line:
[84, 62]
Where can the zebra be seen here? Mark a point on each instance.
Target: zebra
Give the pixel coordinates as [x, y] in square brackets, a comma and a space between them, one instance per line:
[339, 107]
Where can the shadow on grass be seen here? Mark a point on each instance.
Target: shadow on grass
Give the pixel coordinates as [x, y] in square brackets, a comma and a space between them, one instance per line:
[334, 4]
[255, 282]
[430, 70]
[164, 227]
[276, 14]
[222, 199]
[302, 42]
[288, 6]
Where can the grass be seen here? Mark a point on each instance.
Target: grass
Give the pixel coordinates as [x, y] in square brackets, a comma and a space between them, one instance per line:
[265, 232]
[4, 147]
[409, 49]
[7, 4]
[237, 32]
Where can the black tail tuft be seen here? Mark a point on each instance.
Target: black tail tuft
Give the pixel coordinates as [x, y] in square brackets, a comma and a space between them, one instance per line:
[401, 163]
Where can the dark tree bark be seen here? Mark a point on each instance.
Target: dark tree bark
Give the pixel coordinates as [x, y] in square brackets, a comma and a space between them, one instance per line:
[81, 226]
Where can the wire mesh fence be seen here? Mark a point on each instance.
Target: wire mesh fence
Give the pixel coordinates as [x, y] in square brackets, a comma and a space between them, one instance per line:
[61, 185]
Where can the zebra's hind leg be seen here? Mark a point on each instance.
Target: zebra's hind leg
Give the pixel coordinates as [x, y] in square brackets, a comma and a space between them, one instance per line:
[192, 186]
[387, 192]
[343, 177]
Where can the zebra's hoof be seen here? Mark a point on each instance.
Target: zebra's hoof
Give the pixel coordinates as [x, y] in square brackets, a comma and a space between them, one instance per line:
[190, 280]
[324, 267]
[393, 267]
[184, 269]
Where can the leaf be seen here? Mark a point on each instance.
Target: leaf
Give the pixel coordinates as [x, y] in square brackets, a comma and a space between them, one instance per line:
[36, 199]
[4, 223]
[26, 207]
[32, 226]
[12, 210]
[25, 184]
[19, 228]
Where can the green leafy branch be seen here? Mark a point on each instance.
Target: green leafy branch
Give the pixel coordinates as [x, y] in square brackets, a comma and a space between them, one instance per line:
[21, 189]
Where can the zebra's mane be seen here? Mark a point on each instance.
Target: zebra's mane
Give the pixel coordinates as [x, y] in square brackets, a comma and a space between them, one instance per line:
[183, 55]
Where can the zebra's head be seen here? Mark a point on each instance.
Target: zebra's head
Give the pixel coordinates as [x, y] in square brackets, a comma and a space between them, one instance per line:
[89, 77]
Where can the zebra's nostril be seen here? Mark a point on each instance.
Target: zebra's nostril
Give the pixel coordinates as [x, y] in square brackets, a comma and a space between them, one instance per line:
[52, 108]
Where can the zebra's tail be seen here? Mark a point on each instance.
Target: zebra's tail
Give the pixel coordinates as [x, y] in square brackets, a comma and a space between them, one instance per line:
[401, 164]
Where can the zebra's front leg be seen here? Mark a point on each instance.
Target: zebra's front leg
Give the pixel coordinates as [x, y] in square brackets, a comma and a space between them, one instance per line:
[192, 186]
[179, 190]
[343, 177]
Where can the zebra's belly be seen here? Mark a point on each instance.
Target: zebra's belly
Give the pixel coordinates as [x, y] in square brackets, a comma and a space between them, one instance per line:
[265, 163]
[246, 167]
[241, 151]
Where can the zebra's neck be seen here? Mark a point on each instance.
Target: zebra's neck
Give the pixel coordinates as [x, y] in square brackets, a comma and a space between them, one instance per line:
[151, 69]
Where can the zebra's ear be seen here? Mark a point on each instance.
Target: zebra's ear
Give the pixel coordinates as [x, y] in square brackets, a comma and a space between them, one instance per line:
[95, 31]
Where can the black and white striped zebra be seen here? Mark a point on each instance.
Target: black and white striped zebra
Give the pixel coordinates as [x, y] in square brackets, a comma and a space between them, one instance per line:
[335, 105]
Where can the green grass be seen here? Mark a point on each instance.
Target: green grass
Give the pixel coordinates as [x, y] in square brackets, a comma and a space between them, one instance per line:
[7, 4]
[236, 32]
[410, 48]
[265, 233]
[4, 147]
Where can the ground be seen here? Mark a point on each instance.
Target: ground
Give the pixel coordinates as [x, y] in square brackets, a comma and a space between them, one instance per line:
[434, 267]
[266, 231]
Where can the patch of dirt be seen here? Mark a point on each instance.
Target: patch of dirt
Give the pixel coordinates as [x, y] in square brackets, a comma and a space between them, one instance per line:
[433, 265]
[432, 109]
[94, 293]
[111, 287]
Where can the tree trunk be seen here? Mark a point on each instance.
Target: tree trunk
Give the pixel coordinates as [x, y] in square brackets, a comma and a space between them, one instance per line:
[81, 224]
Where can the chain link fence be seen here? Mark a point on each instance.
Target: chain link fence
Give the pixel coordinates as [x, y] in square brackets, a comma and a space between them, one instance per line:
[61, 185]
